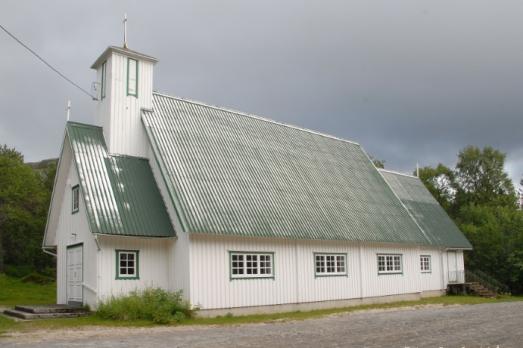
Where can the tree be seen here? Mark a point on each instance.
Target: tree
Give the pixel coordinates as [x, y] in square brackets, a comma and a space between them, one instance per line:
[440, 182]
[480, 178]
[480, 197]
[377, 162]
[24, 201]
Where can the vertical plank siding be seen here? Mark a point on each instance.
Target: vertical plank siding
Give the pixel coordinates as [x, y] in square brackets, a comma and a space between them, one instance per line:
[120, 114]
[73, 229]
[153, 264]
[295, 280]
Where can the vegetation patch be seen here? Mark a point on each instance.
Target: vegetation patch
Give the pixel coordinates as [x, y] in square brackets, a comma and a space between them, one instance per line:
[14, 291]
[155, 305]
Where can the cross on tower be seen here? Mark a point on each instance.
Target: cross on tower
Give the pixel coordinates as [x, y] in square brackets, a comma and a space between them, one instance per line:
[125, 30]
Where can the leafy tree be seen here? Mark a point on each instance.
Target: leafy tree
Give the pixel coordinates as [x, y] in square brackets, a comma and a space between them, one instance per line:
[377, 162]
[478, 194]
[24, 199]
[481, 179]
[440, 182]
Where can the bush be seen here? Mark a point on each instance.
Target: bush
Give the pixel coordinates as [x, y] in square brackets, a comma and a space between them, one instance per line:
[156, 305]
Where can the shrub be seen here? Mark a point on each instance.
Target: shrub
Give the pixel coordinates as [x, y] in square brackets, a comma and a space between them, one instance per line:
[156, 305]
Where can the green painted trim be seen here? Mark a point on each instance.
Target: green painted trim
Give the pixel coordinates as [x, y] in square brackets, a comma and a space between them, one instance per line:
[136, 81]
[137, 266]
[385, 272]
[321, 275]
[244, 277]
[104, 80]
[430, 263]
[83, 259]
[77, 188]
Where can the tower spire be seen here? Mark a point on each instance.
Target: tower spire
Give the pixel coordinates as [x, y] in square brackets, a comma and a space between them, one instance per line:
[125, 30]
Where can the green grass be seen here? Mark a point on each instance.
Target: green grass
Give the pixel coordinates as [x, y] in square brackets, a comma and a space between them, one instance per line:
[93, 320]
[13, 291]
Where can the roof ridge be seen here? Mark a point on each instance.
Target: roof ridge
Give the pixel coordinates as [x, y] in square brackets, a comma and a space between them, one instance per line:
[397, 173]
[128, 156]
[241, 113]
[82, 124]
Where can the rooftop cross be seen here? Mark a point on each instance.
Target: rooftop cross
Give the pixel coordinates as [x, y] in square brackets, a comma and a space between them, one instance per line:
[125, 30]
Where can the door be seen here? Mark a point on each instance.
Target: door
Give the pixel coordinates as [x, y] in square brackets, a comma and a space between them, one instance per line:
[452, 259]
[75, 276]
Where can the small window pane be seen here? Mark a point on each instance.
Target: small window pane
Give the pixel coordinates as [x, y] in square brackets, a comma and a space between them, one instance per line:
[132, 72]
[251, 265]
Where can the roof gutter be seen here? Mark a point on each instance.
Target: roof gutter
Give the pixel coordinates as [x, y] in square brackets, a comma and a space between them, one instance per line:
[44, 249]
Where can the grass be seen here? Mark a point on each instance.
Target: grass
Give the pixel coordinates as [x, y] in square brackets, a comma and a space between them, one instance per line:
[13, 291]
[93, 320]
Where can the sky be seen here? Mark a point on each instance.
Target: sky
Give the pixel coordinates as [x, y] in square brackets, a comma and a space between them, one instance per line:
[411, 81]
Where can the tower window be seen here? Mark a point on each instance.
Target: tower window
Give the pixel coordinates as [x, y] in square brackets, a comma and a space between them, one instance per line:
[132, 77]
[104, 80]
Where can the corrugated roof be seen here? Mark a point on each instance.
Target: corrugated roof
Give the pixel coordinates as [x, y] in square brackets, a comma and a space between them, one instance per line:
[426, 210]
[120, 193]
[231, 173]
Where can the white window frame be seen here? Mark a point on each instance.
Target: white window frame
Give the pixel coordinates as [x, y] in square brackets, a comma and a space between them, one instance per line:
[130, 81]
[75, 199]
[425, 263]
[251, 264]
[392, 263]
[330, 264]
[103, 84]
[124, 264]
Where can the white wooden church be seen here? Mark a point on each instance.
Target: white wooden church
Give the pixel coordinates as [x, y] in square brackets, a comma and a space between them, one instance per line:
[241, 213]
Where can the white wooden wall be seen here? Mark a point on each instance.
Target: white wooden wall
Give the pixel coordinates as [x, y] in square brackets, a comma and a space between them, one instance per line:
[73, 229]
[295, 281]
[153, 264]
[179, 249]
[120, 114]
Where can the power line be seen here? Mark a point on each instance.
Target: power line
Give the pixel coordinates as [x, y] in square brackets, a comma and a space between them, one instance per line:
[46, 63]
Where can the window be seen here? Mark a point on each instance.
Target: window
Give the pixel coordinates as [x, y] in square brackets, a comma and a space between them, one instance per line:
[425, 265]
[104, 80]
[127, 264]
[330, 264]
[132, 77]
[390, 263]
[251, 265]
[76, 199]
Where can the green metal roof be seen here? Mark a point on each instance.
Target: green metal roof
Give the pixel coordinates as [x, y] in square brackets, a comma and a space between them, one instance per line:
[120, 193]
[235, 174]
[426, 210]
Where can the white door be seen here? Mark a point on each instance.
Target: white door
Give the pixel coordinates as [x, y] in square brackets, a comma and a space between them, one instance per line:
[452, 259]
[75, 275]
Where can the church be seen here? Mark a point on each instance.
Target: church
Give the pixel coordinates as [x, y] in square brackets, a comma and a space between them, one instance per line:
[241, 213]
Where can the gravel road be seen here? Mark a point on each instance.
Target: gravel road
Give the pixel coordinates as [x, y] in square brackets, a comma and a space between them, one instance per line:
[486, 325]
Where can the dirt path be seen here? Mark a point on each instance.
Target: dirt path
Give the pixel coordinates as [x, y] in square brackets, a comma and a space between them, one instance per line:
[486, 325]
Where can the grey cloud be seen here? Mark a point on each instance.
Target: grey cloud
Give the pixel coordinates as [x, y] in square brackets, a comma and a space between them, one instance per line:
[409, 80]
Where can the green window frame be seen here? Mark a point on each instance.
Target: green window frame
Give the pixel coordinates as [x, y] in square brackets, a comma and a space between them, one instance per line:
[75, 199]
[103, 85]
[251, 265]
[132, 77]
[425, 263]
[390, 263]
[330, 264]
[127, 264]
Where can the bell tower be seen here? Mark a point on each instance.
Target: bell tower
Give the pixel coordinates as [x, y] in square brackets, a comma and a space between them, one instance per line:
[125, 87]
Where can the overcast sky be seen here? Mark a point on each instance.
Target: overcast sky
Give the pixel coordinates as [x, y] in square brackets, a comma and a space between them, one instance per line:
[409, 80]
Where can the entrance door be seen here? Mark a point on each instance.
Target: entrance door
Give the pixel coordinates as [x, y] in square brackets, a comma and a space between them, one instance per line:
[75, 276]
[452, 259]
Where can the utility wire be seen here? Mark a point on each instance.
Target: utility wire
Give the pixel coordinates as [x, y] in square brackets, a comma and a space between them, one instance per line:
[46, 63]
